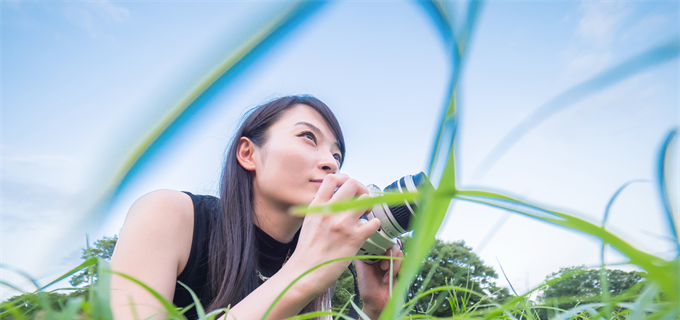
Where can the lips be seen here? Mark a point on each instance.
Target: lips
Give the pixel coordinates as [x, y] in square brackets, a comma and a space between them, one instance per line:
[319, 181]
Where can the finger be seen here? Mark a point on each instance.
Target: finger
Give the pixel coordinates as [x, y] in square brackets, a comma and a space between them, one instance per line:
[397, 263]
[349, 189]
[389, 266]
[367, 228]
[328, 186]
[354, 215]
[394, 282]
[391, 252]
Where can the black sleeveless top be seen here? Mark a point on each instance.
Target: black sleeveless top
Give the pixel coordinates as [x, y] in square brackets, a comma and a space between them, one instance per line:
[271, 255]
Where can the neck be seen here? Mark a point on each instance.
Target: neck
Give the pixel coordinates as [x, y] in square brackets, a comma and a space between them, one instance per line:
[275, 220]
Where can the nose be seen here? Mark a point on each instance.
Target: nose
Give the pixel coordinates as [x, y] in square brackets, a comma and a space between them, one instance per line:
[328, 164]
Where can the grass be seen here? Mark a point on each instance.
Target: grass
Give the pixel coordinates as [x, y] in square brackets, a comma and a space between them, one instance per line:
[656, 299]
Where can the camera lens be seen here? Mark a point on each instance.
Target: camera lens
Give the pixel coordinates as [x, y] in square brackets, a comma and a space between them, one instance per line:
[401, 214]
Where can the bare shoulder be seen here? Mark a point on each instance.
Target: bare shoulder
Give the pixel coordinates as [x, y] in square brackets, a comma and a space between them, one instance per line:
[166, 203]
[160, 222]
[153, 247]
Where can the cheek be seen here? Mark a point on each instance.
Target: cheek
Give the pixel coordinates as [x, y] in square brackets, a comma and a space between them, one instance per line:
[286, 173]
[288, 163]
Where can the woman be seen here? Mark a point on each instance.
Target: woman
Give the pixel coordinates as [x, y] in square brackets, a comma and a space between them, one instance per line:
[243, 249]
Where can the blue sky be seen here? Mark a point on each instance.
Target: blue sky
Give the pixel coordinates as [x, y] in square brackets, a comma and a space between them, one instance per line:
[82, 81]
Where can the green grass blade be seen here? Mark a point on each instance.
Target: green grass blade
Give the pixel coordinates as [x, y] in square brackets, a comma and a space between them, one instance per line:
[213, 314]
[576, 310]
[235, 56]
[427, 222]
[167, 305]
[22, 273]
[133, 308]
[659, 270]
[606, 294]
[101, 291]
[667, 159]
[315, 314]
[278, 298]
[604, 279]
[444, 141]
[652, 57]
[425, 282]
[72, 307]
[11, 310]
[614, 197]
[11, 286]
[671, 314]
[569, 221]
[643, 301]
[88, 263]
[199, 308]
[185, 309]
[506, 278]
[391, 198]
[391, 272]
[342, 310]
[522, 301]
[359, 311]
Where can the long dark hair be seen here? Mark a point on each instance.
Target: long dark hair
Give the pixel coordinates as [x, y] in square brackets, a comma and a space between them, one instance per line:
[232, 248]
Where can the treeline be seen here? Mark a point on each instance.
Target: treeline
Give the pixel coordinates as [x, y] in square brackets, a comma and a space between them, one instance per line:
[471, 285]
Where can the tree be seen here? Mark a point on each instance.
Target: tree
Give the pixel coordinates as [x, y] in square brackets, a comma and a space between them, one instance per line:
[103, 248]
[578, 285]
[31, 305]
[455, 265]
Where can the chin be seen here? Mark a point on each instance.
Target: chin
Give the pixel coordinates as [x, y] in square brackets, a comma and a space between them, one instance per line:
[305, 200]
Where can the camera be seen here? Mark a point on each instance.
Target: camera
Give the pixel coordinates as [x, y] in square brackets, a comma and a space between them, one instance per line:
[395, 219]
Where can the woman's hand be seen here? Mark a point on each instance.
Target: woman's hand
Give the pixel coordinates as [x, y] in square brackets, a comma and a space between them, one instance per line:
[374, 282]
[330, 236]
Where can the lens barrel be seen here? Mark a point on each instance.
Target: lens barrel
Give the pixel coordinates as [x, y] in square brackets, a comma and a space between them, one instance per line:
[394, 220]
[401, 214]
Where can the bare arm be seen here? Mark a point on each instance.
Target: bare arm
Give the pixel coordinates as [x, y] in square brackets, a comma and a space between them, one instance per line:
[322, 238]
[153, 247]
[156, 240]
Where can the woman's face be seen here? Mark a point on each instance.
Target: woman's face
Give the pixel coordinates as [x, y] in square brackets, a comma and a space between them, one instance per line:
[299, 151]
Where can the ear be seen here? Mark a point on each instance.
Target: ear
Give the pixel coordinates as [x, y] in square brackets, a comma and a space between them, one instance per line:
[245, 154]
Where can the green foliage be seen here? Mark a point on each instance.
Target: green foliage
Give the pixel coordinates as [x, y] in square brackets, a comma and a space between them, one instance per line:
[448, 264]
[454, 264]
[454, 278]
[585, 284]
[89, 303]
[39, 304]
[579, 285]
[103, 248]
[32, 304]
[344, 291]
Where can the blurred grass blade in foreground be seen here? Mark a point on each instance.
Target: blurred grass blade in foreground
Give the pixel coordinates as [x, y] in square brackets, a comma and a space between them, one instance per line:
[669, 183]
[662, 53]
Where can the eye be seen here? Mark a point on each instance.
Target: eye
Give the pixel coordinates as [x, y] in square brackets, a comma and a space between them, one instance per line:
[337, 157]
[309, 135]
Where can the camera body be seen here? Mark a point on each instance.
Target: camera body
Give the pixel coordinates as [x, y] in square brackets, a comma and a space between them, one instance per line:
[394, 220]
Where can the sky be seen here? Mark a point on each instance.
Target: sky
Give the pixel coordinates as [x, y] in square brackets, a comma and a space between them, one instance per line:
[82, 81]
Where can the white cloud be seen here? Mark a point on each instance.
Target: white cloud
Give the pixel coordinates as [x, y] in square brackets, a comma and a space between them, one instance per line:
[599, 25]
[585, 64]
[90, 15]
[109, 10]
[601, 21]
[43, 160]
[25, 204]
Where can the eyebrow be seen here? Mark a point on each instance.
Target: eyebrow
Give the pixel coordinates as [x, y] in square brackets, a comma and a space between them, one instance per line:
[316, 130]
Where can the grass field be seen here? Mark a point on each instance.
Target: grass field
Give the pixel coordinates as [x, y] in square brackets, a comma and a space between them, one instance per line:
[657, 298]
